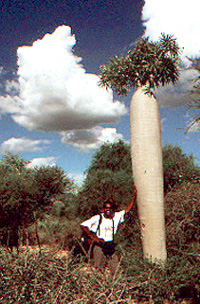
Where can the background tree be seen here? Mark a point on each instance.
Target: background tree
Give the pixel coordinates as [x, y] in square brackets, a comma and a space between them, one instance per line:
[109, 177]
[50, 184]
[25, 192]
[13, 162]
[147, 66]
[13, 187]
[178, 167]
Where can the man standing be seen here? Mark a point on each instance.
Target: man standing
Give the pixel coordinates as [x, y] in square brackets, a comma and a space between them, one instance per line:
[101, 229]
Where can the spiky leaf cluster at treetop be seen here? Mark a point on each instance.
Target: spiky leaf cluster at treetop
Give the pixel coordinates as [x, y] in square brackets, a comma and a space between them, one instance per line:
[150, 63]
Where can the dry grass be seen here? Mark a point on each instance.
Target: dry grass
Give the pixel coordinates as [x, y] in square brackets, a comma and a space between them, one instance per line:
[48, 275]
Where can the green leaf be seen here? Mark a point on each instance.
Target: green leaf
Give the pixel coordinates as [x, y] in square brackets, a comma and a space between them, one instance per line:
[156, 62]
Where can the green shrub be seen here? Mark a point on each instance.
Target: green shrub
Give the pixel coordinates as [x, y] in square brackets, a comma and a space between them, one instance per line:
[182, 208]
[59, 231]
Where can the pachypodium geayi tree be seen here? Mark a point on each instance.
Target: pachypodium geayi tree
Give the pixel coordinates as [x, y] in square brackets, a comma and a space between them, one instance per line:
[148, 66]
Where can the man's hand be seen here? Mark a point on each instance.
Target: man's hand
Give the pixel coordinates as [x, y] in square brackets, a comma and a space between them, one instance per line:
[135, 191]
[92, 235]
[98, 240]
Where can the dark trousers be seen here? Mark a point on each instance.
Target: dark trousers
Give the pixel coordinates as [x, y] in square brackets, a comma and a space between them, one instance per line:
[101, 260]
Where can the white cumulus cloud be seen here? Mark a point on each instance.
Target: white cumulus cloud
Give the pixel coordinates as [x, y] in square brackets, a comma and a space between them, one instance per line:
[88, 140]
[9, 104]
[180, 19]
[56, 93]
[12, 87]
[77, 177]
[178, 95]
[176, 17]
[42, 161]
[19, 145]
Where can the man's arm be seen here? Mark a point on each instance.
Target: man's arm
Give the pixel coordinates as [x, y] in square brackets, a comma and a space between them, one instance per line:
[130, 205]
[92, 235]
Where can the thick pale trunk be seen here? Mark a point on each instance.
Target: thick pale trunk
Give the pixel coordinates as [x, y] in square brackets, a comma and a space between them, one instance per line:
[146, 152]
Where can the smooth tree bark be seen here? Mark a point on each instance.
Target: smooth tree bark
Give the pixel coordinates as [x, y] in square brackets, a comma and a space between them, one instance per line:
[147, 66]
[146, 154]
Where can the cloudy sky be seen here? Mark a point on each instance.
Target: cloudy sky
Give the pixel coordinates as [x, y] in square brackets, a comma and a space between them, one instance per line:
[52, 110]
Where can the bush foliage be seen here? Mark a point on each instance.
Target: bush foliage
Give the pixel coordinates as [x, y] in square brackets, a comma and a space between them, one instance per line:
[26, 194]
[109, 176]
[182, 216]
[178, 167]
[50, 278]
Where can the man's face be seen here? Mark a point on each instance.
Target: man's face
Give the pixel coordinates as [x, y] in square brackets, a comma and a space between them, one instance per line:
[108, 210]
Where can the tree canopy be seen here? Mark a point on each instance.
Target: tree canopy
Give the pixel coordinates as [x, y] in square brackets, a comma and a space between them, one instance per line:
[24, 191]
[109, 175]
[178, 167]
[149, 63]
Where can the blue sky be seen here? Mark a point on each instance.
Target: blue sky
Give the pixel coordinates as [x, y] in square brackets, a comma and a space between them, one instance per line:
[52, 109]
